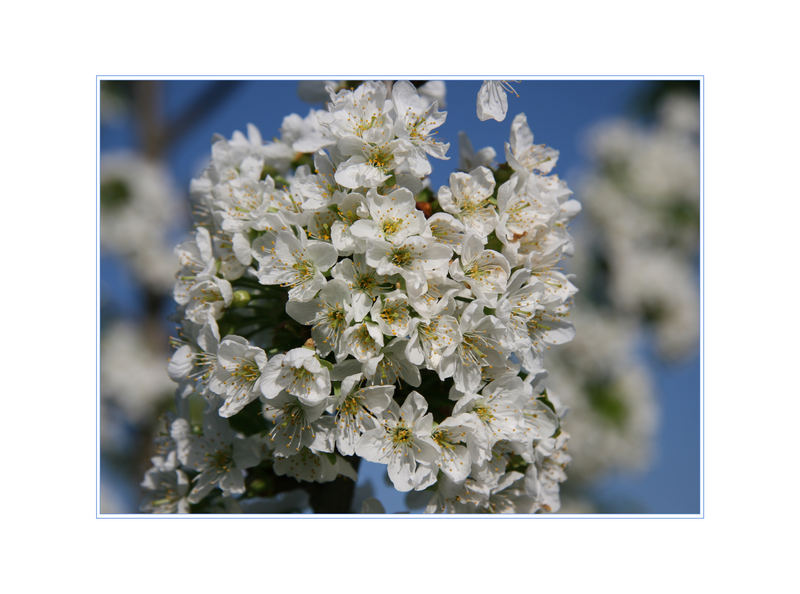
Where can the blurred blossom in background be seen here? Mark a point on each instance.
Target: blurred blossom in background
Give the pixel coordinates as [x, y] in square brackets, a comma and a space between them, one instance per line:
[636, 259]
[631, 377]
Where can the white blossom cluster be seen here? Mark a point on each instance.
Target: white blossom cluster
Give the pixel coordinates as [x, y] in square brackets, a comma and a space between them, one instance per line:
[139, 208]
[643, 200]
[636, 255]
[328, 298]
[139, 204]
[610, 395]
[126, 352]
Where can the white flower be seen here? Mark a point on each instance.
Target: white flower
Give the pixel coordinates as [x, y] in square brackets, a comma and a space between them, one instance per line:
[299, 373]
[247, 202]
[516, 306]
[417, 118]
[362, 281]
[234, 253]
[488, 492]
[546, 328]
[391, 313]
[479, 347]
[539, 420]
[220, 456]
[414, 259]
[277, 154]
[543, 477]
[394, 217]
[435, 90]
[370, 165]
[166, 492]
[316, 190]
[305, 135]
[526, 206]
[485, 272]
[320, 224]
[464, 497]
[469, 159]
[468, 198]
[329, 314]
[196, 255]
[495, 414]
[446, 229]
[524, 156]
[431, 340]
[238, 375]
[492, 100]
[194, 360]
[364, 341]
[509, 496]
[364, 113]
[534, 212]
[356, 410]
[391, 364]
[403, 442]
[347, 207]
[206, 299]
[297, 426]
[439, 296]
[289, 261]
[363, 123]
[309, 466]
[449, 437]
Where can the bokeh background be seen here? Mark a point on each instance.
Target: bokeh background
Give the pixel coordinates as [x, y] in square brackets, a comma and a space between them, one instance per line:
[629, 149]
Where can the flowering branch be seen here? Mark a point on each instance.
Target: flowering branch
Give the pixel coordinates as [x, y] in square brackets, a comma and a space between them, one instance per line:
[331, 310]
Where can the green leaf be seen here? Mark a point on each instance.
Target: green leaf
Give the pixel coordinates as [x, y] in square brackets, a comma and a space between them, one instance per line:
[546, 401]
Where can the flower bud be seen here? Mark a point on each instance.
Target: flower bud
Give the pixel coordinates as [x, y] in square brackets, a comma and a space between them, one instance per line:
[240, 298]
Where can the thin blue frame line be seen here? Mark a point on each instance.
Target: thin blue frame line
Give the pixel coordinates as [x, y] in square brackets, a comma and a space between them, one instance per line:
[703, 297]
[96, 299]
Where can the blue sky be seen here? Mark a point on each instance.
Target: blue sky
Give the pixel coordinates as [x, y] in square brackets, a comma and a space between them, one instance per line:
[559, 113]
